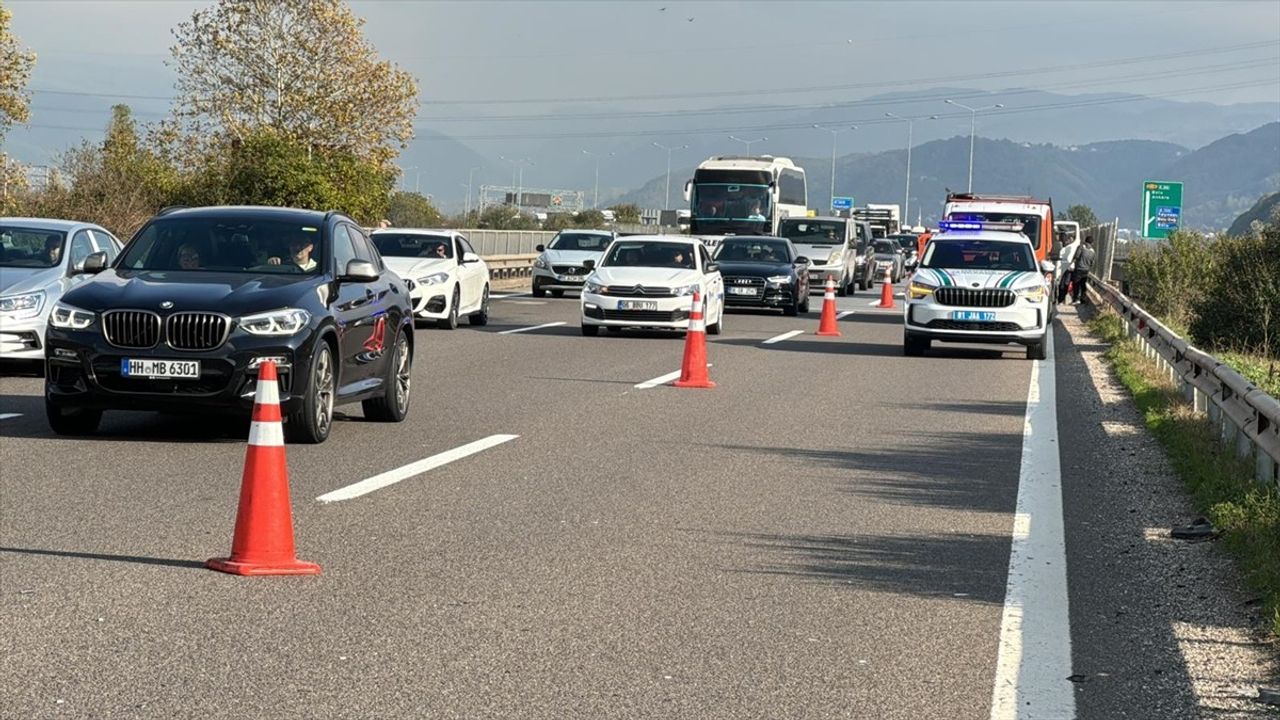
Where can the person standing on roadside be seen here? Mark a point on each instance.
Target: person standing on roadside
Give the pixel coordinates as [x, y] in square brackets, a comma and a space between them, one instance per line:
[1063, 275]
[1081, 266]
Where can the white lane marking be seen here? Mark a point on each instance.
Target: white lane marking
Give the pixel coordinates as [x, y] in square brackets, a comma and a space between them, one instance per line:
[661, 380]
[785, 336]
[509, 296]
[6, 416]
[527, 329]
[843, 313]
[1035, 627]
[391, 477]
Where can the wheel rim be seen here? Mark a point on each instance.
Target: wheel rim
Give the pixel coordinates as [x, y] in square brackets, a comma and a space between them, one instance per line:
[403, 375]
[453, 312]
[484, 304]
[324, 390]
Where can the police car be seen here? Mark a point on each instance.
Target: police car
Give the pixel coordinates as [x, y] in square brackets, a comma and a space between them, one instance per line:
[979, 283]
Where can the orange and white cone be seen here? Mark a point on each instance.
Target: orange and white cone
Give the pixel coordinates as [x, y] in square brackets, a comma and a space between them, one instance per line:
[886, 290]
[827, 323]
[693, 369]
[263, 541]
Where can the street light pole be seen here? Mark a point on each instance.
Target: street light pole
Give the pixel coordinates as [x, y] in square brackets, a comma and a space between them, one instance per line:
[834, 132]
[973, 129]
[748, 143]
[470, 174]
[595, 201]
[906, 203]
[666, 205]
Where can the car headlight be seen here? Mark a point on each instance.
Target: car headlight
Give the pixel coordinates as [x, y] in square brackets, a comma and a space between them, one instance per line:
[434, 279]
[540, 263]
[779, 280]
[920, 289]
[835, 257]
[22, 306]
[70, 317]
[1033, 294]
[592, 286]
[277, 322]
[684, 290]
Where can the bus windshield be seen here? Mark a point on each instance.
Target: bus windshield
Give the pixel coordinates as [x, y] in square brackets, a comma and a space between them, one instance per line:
[731, 202]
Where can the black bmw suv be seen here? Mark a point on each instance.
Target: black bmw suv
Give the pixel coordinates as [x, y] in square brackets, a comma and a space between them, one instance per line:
[763, 272]
[201, 297]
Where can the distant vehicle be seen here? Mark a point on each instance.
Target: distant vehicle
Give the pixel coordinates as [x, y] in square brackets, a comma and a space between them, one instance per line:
[980, 286]
[201, 297]
[884, 218]
[560, 266]
[648, 281]
[908, 243]
[887, 255]
[836, 247]
[40, 259]
[1035, 216]
[445, 276]
[745, 195]
[763, 272]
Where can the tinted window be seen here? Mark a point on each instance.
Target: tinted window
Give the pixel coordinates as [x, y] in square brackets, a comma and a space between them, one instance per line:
[413, 245]
[226, 245]
[465, 246]
[979, 255]
[343, 249]
[81, 247]
[107, 244]
[649, 254]
[791, 190]
[364, 251]
[745, 250]
[706, 257]
[810, 232]
[580, 241]
[30, 247]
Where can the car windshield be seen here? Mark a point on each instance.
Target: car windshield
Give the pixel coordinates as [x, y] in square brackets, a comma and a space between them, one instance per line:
[249, 245]
[906, 242]
[813, 232]
[979, 255]
[884, 246]
[743, 250]
[731, 202]
[633, 253]
[589, 242]
[30, 247]
[413, 245]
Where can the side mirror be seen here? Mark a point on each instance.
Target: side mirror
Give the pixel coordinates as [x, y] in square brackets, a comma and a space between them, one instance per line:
[688, 190]
[589, 265]
[92, 265]
[802, 260]
[468, 258]
[540, 248]
[1047, 267]
[360, 271]
[712, 267]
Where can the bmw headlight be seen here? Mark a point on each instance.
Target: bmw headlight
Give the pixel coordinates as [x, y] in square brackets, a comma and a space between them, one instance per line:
[434, 279]
[277, 322]
[1033, 294]
[540, 263]
[920, 289]
[25, 305]
[70, 317]
[684, 290]
[594, 287]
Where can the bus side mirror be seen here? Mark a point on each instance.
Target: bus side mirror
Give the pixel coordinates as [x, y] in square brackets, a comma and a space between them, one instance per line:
[688, 190]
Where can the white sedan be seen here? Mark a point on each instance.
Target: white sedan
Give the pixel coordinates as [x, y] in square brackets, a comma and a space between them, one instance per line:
[648, 281]
[446, 277]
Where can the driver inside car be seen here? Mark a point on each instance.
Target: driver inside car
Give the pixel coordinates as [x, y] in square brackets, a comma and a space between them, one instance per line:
[300, 253]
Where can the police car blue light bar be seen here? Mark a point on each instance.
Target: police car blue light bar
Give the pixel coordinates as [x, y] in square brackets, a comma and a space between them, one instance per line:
[954, 225]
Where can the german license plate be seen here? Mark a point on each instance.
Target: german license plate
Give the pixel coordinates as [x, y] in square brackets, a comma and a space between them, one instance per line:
[160, 369]
[637, 304]
[972, 316]
[743, 291]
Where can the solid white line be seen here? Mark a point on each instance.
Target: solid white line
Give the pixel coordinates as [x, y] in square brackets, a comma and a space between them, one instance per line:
[391, 477]
[6, 416]
[661, 380]
[1035, 627]
[843, 313]
[512, 295]
[527, 329]
[785, 336]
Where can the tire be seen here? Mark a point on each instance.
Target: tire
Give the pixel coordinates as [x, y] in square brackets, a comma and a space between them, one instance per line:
[614, 329]
[792, 310]
[481, 318]
[72, 421]
[913, 346]
[313, 421]
[451, 321]
[841, 288]
[557, 293]
[537, 289]
[393, 406]
[1038, 351]
[863, 284]
[804, 304]
[591, 330]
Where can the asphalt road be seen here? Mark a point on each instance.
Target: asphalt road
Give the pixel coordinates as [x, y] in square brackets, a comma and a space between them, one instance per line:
[826, 534]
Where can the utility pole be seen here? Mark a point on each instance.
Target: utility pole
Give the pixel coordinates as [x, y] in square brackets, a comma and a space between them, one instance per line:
[973, 129]
[834, 132]
[666, 205]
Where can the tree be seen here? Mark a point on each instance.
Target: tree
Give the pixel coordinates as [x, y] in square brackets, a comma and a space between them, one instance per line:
[627, 213]
[410, 209]
[15, 71]
[506, 217]
[589, 219]
[299, 68]
[1082, 214]
[559, 221]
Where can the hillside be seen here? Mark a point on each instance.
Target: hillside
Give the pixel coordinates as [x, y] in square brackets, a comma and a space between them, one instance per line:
[1266, 210]
[1226, 177]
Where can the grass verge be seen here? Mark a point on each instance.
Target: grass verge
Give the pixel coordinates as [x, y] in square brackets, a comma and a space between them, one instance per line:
[1259, 370]
[1222, 487]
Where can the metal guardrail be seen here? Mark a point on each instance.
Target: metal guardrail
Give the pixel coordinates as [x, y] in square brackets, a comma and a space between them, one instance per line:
[510, 267]
[1244, 417]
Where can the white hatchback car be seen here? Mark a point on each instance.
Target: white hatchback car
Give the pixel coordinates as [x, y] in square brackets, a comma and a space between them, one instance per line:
[648, 281]
[446, 277]
[561, 265]
[980, 286]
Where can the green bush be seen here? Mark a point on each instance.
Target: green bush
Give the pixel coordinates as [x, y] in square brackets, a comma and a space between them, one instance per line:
[1240, 308]
[1170, 278]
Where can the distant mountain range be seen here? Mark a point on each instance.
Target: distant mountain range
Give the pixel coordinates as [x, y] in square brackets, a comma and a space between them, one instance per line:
[1221, 179]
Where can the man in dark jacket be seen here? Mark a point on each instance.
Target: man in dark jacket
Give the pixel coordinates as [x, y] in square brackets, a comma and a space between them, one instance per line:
[1081, 266]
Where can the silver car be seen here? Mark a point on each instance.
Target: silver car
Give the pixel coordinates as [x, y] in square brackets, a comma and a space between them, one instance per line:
[561, 265]
[40, 259]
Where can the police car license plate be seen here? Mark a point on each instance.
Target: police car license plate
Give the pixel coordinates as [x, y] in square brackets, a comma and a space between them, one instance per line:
[160, 369]
[972, 316]
[637, 304]
[743, 291]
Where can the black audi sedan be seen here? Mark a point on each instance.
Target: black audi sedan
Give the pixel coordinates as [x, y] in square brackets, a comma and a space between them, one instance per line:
[201, 297]
[763, 272]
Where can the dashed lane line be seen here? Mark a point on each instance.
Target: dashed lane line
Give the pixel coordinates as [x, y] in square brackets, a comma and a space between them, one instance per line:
[785, 336]
[660, 380]
[391, 477]
[8, 416]
[534, 327]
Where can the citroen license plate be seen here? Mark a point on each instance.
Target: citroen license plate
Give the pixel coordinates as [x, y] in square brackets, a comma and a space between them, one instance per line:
[160, 369]
[972, 316]
[637, 304]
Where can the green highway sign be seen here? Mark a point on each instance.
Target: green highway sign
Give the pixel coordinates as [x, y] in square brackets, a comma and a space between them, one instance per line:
[1161, 208]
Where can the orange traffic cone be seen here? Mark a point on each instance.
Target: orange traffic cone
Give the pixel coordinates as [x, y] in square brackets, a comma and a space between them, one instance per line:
[693, 370]
[263, 541]
[886, 290]
[827, 323]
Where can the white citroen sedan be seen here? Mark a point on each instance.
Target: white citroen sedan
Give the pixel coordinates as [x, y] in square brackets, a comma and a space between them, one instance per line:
[648, 281]
[446, 277]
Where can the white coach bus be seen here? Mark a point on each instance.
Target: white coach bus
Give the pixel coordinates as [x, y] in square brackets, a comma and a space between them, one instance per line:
[737, 195]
